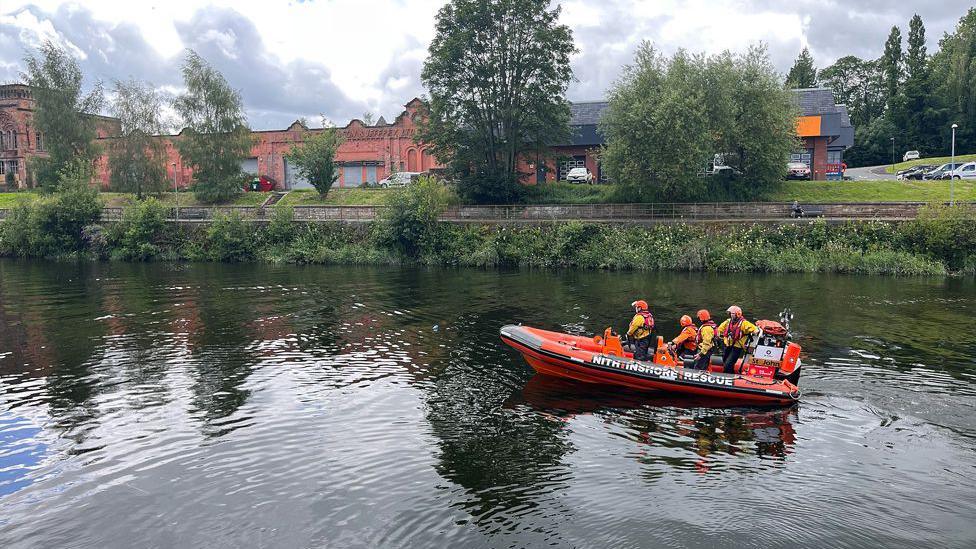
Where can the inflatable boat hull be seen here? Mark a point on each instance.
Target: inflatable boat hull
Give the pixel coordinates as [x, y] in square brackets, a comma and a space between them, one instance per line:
[582, 359]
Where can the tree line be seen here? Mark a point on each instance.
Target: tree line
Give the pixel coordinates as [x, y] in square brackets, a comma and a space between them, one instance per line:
[497, 73]
[906, 94]
[214, 140]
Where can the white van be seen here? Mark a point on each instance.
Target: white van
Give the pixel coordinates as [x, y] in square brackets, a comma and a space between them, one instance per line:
[911, 155]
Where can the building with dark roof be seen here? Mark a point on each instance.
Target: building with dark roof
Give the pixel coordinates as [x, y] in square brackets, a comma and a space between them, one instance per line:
[825, 132]
[583, 147]
[823, 126]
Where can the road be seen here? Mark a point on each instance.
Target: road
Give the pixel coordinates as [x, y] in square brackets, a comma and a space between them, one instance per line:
[872, 173]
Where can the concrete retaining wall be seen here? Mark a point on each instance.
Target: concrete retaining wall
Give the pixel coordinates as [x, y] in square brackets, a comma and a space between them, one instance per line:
[534, 214]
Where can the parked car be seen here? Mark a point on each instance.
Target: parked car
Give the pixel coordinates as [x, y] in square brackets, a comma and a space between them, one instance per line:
[920, 172]
[942, 172]
[965, 171]
[915, 172]
[911, 155]
[797, 170]
[579, 175]
[399, 179]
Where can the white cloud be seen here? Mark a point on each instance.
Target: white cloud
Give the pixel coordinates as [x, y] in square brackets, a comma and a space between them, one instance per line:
[370, 51]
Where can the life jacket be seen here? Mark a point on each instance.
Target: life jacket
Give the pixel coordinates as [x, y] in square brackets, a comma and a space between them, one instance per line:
[648, 320]
[698, 338]
[690, 343]
[733, 331]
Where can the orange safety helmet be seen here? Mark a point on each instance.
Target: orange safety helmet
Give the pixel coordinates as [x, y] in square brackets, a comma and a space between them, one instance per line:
[704, 315]
[735, 311]
[640, 305]
[686, 320]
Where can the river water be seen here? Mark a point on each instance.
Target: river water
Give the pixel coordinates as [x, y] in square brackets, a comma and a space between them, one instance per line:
[176, 405]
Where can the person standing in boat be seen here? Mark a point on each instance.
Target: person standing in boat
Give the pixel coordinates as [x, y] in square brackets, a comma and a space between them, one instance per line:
[705, 340]
[640, 329]
[735, 332]
[686, 343]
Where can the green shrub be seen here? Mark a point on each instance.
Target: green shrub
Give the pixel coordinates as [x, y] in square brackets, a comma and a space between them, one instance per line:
[142, 233]
[230, 239]
[409, 221]
[51, 225]
[944, 233]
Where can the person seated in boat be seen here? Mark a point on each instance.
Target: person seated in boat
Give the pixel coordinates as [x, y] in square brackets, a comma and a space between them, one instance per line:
[705, 340]
[686, 343]
[734, 333]
[640, 329]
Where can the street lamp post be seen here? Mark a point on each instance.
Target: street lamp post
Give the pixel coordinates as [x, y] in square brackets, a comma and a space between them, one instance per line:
[176, 189]
[952, 164]
[892, 155]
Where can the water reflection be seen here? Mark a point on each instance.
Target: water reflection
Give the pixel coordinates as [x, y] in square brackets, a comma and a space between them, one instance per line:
[704, 428]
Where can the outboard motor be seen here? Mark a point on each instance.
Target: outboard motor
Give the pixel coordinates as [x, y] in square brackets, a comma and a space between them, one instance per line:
[774, 352]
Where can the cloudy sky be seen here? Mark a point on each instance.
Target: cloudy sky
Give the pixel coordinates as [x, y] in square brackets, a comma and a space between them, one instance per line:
[342, 58]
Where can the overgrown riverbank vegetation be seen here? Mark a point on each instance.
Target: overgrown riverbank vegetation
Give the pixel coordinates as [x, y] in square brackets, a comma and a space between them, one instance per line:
[64, 225]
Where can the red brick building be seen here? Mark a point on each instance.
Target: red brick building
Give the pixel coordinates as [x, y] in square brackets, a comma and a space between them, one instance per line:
[367, 155]
[19, 140]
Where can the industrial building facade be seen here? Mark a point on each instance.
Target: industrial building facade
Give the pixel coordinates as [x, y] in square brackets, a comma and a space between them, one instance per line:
[368, 153]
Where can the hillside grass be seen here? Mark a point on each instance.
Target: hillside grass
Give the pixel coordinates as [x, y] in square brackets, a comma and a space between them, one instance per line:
[819, 192]
[337, 197]
[935, 161]
[9, 200]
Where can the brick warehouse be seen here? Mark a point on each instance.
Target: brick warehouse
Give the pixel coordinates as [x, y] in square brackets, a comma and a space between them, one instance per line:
[368, 154]
[19, 140]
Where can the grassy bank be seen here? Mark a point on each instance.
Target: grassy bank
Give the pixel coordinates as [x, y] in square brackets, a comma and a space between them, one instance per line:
[936, 161]
[338, 197]
[65, 225]
[808, 192]
[818, 192]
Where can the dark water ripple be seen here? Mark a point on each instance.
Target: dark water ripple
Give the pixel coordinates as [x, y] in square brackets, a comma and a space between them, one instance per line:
[226, 406]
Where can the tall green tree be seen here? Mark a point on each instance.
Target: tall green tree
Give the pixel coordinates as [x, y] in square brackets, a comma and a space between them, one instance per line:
[62, 113]
[911, 113]
[803, 74]
[137, 158]
[315, 157]
[891, 65]
[859, 84]
[497, 73]
[215, 137]
[668, 117]
[952, 79]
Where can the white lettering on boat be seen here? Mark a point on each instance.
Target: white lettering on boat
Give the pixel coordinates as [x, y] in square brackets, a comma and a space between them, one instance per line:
[663, 372]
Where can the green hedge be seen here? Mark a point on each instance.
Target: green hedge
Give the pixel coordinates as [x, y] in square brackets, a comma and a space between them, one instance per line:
[942, 240]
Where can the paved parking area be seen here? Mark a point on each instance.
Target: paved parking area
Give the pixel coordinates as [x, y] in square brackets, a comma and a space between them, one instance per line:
[870, 173]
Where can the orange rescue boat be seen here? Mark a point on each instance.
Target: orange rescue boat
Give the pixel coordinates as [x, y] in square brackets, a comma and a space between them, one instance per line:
[768, 373]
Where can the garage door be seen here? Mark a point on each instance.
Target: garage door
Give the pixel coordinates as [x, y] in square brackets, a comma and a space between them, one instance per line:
[566, 165]
[293, 180]
[352, 176]
[250, 165]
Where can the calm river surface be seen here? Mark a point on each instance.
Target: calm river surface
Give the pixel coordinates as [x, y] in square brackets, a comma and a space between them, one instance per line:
[174, 405]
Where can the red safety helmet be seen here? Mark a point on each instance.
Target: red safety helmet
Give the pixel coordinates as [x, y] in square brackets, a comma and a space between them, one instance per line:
[640, 305]
[686, 320]
[735, 311]
[704, 315]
